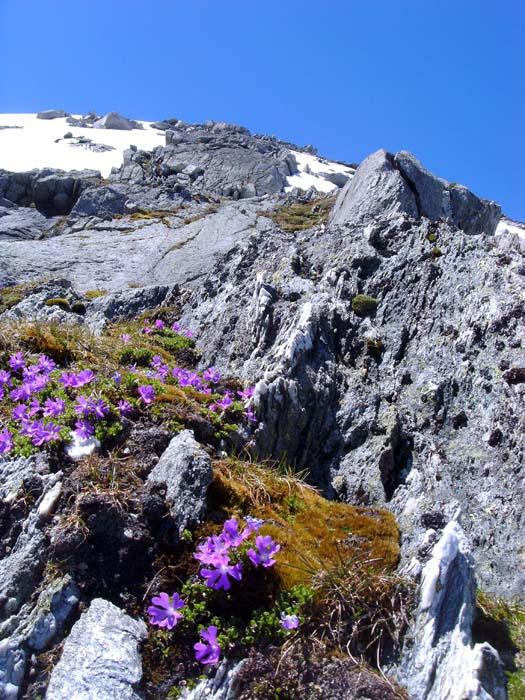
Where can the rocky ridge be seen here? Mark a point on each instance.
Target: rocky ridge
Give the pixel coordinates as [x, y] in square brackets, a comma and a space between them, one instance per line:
[386, 347]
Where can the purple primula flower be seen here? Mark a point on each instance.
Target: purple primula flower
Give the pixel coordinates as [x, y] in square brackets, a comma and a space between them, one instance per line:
[117, 378]
[21, 393]
[83, 406]
[147, 330]
[163, 611]
[231, 534]
[159, 324]
[68, 379]
[212, 549]
[45, 433]
[211, 375]
[266, 549]
[34, 407]
[289, 622]
[176, 327]
[99, 408]
[254, 524]
[210, 652]
[184, 378]
[162, 373]
[46, 364]
[29, 428]
[54, 407]
[217, 578]
[124, 407]
[125, 337]
[188, 334]
[85, 377]
[84, 429]
[29, 373]
[5, 378]
[250, 415]
[246, 393]
[146, 393]
[225, 402]
[17, 361]
[157, 361]
[39, 382]
[19, 412]
[6, 441]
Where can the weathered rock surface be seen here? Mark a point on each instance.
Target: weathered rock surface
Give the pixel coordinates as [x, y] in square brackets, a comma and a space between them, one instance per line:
[52, 114]
[114, 120]
[441, 661]
[386, 185]
[100, 659]
[409, 405]
[185, 471]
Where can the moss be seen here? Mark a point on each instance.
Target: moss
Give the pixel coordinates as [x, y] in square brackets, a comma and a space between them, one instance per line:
[57, 301]
[364, 305]
[300, 217]
[375, 348]
[502, 624]
[95, 293]
[135, 356]
[436, 252]
[78, 307]
[11, 296]
[313, 531]
[432, 237]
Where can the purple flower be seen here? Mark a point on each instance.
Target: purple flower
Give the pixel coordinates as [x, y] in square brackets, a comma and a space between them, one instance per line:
[211, 375]
[266, 549]
[21, 393]
[54, 407]
[99, 408]
[6, 442]
[45, 433]
[19, 412]
[117, 377]
[159, 324]
[176, 327]
[163, 612]
[218, 577]
[210, 652]
[231, 533]
[147, 393]
[225, 402]
[125, 337]
[45, 364]
[68, 379]
[250, 415]
[83, 406]
[212, 549]
[39, 382]
[289, 622]
[246, 393]
[147, 330]
[124, 407]
[254, 524]
[84, 429]
[34, 407]
[17, 361]
[5, 378]
[85, 377]
[188, 334]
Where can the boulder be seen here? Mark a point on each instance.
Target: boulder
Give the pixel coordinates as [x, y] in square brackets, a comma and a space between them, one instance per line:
[185, 471]
[100, 658]
[52, 114]
[377, 189]
[430, 190]
[114, 120]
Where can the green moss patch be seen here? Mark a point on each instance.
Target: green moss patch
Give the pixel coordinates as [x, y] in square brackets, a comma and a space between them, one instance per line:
[364, 305]
[300, 217]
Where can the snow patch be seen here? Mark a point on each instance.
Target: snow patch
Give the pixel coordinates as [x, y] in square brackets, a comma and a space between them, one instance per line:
[508, 226]
[40, 143]
[323, 175]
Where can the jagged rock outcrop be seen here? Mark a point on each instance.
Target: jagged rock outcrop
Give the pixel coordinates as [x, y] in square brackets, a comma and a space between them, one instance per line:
[385, 402]
[100, 658]
[52, 114]
[441, 661]
[184, 471]
[385, 185]
[114, 120]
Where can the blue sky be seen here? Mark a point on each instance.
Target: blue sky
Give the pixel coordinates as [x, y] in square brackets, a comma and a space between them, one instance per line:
[444, 79]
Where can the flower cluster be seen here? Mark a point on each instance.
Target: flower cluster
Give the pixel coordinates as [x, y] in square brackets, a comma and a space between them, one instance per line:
[221, 557]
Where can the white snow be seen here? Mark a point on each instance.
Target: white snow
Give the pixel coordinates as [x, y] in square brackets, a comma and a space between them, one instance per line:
[313, 172]
[79, 448]
[34, 145]
[508, 226]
